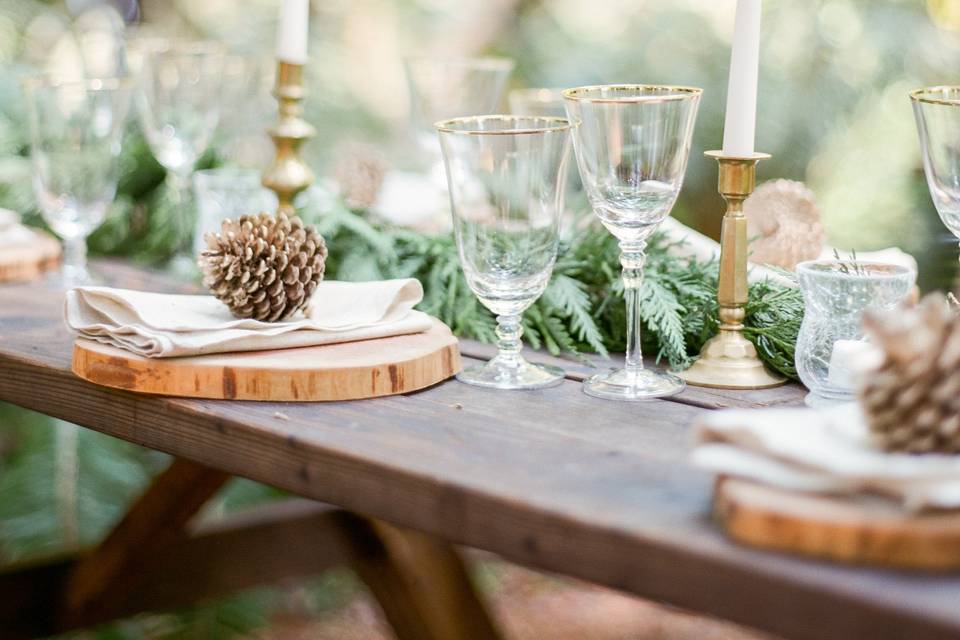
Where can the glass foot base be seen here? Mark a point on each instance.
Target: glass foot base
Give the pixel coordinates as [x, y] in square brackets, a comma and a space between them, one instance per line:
[645, 384]
[496, 375]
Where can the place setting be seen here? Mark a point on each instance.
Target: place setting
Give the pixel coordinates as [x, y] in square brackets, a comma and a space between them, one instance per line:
[580, 298]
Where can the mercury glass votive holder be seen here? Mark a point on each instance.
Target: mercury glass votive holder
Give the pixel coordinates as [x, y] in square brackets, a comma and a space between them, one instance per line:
[831, 346]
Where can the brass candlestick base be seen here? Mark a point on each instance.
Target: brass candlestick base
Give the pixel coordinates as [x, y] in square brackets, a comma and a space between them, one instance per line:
[729, 360]
[289, 174]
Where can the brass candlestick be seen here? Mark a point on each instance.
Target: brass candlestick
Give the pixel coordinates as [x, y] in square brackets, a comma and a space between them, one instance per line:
[289, 174]
[729, 360]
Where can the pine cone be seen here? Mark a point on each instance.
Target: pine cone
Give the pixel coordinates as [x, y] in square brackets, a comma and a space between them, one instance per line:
[359, 172]
[783, 224]
[912, 399]
[262, 266]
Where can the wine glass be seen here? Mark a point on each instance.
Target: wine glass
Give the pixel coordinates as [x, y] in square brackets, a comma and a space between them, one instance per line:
[632, 143]
[506, 175]
[444, 88]
[76, 128]
[179, 106]
[937, 111]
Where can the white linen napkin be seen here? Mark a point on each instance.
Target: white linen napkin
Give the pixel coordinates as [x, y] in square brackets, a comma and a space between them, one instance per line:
[827, 451]
[161, 325]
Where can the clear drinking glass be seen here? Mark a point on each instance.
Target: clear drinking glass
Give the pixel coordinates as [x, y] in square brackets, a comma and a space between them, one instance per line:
[227, 193]
[445, 88]
[632, 143]
[506, 175]
[76, 128]
[835, 295]
[179, 106]
[937, 111]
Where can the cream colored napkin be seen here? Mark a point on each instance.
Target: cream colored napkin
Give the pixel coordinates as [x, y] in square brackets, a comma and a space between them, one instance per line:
[162, 325]
[822, 451]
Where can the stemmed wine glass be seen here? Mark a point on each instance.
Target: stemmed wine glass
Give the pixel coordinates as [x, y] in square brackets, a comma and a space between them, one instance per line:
[632, 143]
[76, 128]
[506, 175]
[179, 106]
[937, 111]
[445, 88]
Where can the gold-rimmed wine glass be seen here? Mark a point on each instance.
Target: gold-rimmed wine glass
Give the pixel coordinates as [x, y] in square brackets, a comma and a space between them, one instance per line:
[632, 143]
[505, 176]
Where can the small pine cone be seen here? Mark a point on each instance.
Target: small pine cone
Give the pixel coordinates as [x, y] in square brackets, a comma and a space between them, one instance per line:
[262, 266]
[783, 224]
[359, 172]
[911, 399]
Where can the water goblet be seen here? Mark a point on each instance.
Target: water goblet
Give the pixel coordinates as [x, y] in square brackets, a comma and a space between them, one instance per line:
[445, 88]
[76, 128]
[632, 143]
[937, 112]
[179, 106]
[506, 176]
[227, 192]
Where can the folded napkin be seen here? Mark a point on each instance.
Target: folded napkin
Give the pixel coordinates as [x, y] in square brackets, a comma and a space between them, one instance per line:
[827, 451]
[160, 325]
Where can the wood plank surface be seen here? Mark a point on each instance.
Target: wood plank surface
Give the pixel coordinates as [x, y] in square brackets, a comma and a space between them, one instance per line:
[553, 479]
[347, 371]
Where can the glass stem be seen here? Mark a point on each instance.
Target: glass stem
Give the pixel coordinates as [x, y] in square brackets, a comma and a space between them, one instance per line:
[632, 257]
[509, 332]
[178, 185]
[75, 257]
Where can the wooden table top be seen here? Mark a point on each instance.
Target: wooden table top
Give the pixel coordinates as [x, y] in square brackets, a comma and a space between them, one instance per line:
[552, 479]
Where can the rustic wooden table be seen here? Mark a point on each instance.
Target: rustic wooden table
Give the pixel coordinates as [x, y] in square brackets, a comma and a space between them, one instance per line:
[551, 479]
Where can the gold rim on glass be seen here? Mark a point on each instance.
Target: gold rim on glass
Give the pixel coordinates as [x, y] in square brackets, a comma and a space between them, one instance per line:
[928, 95]
[555, 124]
[668, 92]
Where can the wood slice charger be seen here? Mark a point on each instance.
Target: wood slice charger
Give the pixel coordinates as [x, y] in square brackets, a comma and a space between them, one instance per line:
[865, 530]
[347, 371]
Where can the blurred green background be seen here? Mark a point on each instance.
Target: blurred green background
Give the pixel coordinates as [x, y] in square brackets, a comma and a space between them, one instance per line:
[833, 111]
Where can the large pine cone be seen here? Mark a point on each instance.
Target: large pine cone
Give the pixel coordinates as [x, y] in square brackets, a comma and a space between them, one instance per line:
[262, 266]
[912, 400]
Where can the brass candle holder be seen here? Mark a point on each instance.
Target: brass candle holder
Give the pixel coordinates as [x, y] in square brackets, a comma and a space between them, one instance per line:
[729, 360]
[289, 174]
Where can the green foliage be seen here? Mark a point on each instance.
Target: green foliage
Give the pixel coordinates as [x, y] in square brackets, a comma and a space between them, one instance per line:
[582, 309]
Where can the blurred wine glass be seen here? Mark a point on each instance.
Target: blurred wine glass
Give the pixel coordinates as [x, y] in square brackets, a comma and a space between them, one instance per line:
[76, 129]
[549, 103]
[178, 101]
[445, 88]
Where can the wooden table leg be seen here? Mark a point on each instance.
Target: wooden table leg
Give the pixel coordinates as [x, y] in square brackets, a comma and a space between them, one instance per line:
[156, 520]
[421, 583]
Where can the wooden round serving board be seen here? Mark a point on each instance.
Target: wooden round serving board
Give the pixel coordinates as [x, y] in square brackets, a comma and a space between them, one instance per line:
[866, 530]
[22, 263]
[347, 371]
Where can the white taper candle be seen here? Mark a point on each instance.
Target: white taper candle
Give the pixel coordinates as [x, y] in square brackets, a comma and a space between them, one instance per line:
[741, 122]
[292, 31]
